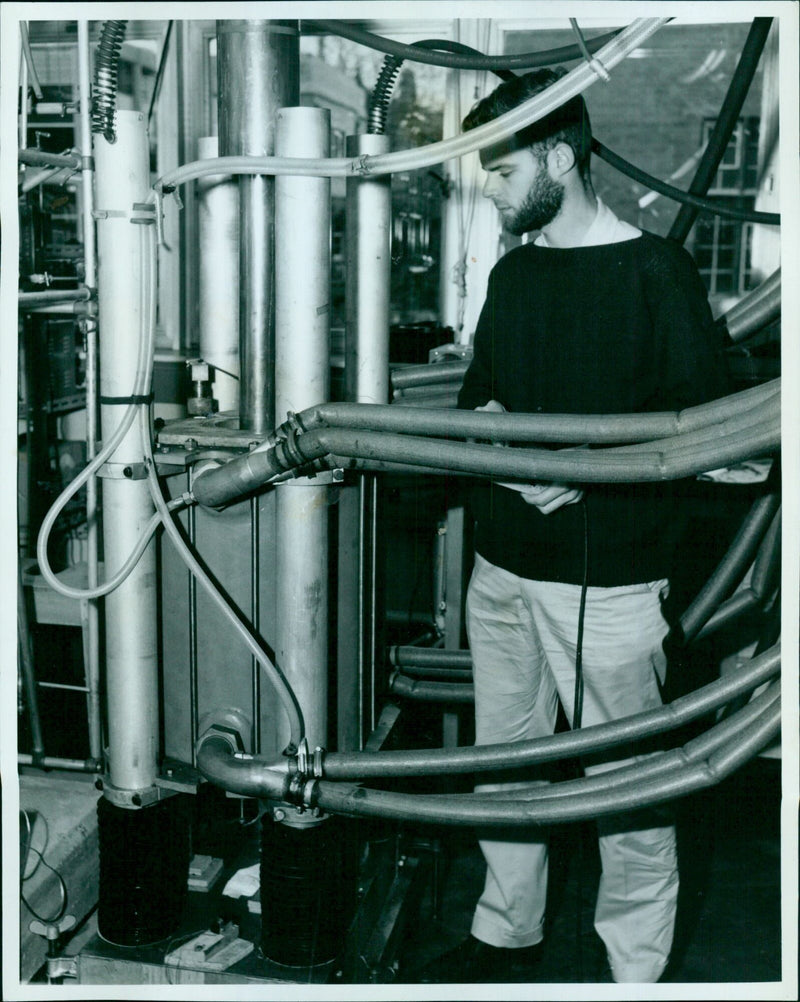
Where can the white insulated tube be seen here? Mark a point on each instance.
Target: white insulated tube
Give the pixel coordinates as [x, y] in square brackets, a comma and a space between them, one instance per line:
[131, 641]
[302, 379]
[218, 212]
[368, 273]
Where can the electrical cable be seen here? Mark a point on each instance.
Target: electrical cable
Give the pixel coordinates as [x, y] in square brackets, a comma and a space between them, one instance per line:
[727, 119]
[159, 72]
[522, 60]
[678, 195]
[577, 708]
[29, 848]
[62, 887]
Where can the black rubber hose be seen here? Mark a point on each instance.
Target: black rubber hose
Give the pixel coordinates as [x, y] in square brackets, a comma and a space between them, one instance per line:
[104, 102]
[677, 195]
[725, 124]
[457, 60]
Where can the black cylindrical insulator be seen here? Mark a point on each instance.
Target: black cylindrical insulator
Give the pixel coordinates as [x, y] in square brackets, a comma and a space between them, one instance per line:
[308, 891]
[144, 869]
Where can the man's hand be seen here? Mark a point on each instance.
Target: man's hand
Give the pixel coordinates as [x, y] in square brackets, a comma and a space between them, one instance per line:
[546, 497]
[550, 497]
[494, 407]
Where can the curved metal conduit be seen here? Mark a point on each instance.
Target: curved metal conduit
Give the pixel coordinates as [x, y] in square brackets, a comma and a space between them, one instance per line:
[754, 432]
[487, 758]
[701, 763]
[730, 571]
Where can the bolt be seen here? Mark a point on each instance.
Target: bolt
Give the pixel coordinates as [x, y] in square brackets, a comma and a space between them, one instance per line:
[98, 784]
[136, 800]
[170, 772]
[279, 814]
[127, 472]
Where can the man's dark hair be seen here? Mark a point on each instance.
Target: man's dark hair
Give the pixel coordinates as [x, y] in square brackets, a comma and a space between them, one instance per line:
[568, 124]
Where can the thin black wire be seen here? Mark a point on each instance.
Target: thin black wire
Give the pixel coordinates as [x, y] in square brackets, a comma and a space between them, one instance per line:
[160, 71]
[62, 887]
[577, 708]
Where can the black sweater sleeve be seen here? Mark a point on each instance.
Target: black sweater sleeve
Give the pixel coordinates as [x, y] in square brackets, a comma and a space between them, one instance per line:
[479, 382]
[691, 363]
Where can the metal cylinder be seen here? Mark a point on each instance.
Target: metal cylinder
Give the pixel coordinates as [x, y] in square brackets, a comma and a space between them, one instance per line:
[302, 379]
[218, 287]
[92, 655]
[257, 73]
[131, 636]
[367, 278]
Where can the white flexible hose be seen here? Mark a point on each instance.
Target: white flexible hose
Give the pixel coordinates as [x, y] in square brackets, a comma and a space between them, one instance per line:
[500, 128]
[144, 365]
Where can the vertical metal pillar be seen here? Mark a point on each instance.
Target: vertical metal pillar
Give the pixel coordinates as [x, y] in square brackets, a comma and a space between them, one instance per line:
[368, 264]
[92, 652]
[218, 286]
[367, 291]
[302, 379]
[257, 73]
[131, 643]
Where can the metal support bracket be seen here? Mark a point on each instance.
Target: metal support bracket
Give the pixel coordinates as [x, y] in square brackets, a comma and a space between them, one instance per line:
[123, 471]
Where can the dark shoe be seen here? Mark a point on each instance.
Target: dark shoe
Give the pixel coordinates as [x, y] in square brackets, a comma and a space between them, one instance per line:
[475, 962]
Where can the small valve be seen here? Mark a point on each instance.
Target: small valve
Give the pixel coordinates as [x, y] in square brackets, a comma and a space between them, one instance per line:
[201, 403]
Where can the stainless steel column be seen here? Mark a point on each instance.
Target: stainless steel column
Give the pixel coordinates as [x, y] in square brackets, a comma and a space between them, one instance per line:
[92, 653]
[302, 379]
[257, 73]
[367, 292]
[123, 172]
[368, 273]
[218, 277]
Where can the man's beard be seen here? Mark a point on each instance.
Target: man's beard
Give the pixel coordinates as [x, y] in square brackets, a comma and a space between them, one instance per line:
[540, 207]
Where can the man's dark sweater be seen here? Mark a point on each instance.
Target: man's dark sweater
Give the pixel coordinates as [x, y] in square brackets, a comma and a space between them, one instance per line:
[609, 329]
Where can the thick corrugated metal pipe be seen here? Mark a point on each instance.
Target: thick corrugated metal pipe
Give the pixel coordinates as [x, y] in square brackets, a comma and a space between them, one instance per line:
[762, 583]
[597, 797]
[728, 439]
[732, 567]
[701, 763]
[588, 740]
[427, 691]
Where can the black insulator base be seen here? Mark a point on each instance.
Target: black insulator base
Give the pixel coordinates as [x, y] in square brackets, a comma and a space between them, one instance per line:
[308, 891]
[144, 869]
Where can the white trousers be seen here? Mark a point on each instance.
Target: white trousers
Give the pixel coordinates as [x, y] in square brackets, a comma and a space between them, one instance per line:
[523, 635]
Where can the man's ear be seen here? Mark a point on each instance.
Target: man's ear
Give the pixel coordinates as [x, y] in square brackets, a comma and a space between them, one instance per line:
[560, 160]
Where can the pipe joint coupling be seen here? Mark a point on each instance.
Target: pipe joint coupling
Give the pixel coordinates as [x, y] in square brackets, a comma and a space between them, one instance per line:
[307, 764]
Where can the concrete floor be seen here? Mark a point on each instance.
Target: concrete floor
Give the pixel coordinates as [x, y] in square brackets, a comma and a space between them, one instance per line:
[729, 921]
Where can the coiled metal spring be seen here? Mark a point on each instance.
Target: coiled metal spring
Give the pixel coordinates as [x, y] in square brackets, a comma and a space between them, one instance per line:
[105, 79]
[381, 95]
